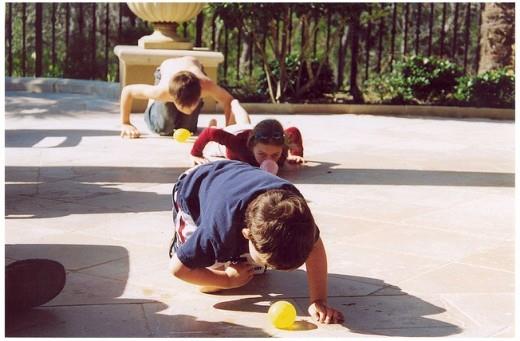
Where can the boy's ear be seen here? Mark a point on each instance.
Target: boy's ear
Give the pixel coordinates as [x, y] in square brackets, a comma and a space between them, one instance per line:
[245, 233]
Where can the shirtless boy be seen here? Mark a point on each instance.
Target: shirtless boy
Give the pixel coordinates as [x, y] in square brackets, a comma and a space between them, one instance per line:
[175, 99]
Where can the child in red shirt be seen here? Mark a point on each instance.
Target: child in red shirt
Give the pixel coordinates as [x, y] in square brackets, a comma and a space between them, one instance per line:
[266, 141]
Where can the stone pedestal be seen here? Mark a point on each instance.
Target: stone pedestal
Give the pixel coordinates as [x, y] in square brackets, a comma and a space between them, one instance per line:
[137, 65]
[164, 37]
[165, 17]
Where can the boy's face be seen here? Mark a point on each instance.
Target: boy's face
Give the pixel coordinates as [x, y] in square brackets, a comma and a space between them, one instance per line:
[257, 257]
[263, 152]
[261, 259]
[187, 110]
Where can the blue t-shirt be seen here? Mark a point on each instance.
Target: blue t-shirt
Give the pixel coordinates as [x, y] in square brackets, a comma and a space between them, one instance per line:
[216, 196]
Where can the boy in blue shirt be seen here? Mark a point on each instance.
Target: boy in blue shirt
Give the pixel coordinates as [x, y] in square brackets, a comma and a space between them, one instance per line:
[226, 209]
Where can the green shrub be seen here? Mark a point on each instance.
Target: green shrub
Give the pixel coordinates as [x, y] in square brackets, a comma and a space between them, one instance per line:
[417, 79]
[430, 79]
[386, 88]
[324, 84]
[246, 90]
[495, 88]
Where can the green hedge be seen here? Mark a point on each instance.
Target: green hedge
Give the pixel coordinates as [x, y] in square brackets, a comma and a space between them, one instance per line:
[495, 88]
[417, 80]
[434, 81]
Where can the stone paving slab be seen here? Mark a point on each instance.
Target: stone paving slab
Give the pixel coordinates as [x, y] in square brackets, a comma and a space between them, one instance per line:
[416, 217]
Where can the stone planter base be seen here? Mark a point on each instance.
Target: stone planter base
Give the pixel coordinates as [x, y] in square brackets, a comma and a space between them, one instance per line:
[164, 37]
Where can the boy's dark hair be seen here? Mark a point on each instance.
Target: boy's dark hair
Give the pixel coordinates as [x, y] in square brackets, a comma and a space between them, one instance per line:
[267, 131]
[281, 227]
[185, 88]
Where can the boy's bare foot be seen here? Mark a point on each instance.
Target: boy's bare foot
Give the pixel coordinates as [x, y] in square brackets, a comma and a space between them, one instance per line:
[212, 123]
[209, 290]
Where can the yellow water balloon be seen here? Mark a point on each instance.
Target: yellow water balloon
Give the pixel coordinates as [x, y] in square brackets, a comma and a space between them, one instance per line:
[181, 135]
[282, 314]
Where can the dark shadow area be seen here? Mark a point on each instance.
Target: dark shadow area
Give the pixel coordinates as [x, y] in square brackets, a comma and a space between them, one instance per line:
[42, 192]
[90, 304]
[27, 138]
[325, 173]
[115, 175]
[85, 189]
[42, 106]
[107, 200]
[370, 306]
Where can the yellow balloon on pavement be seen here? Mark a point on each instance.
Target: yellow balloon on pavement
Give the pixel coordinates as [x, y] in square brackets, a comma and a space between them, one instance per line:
[282, 314]
[181, 135]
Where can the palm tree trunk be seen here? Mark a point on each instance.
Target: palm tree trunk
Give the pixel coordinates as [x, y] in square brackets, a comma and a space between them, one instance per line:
[497, 36]
[342, 52]
[354, 89]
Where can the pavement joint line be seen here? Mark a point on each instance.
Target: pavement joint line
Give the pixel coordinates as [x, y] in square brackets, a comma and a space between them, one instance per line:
[67, 201]
[499, 331]
[94, 265]
[368, 331]
[146, 321]
[364, 282]
[334, 296]
[383, 288]
[447, 302]
[424, 272]
[464, 233]
[356, 217]
[99, 304]
[403, 223]
[484, 267]
[353, 243]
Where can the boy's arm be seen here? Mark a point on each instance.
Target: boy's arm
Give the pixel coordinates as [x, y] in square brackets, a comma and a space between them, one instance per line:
[233, 111]
[316, 266]
[295, 142]
[234, 276]
[129, 92]
[209, 134]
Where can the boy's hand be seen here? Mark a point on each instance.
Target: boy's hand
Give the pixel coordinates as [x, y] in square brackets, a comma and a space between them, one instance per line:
[322, 313]
[239, 274]
[295, 159]
[198, 160]
[128, 130]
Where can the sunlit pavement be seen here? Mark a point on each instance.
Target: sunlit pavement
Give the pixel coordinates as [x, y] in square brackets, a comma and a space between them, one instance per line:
[417, 216]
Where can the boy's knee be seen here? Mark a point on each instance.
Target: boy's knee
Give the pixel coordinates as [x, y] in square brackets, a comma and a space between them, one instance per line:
[160, 119]
[173, 268]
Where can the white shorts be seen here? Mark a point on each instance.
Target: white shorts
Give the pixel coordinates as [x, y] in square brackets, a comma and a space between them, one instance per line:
[217, 150]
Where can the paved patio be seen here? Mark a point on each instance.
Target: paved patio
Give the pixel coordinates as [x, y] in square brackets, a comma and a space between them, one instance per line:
[417, 216]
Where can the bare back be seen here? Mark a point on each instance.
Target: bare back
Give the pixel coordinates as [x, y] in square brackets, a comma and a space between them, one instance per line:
[174, 65]
[208, 87]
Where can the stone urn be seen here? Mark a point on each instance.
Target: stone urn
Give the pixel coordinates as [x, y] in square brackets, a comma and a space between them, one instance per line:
[165, 17]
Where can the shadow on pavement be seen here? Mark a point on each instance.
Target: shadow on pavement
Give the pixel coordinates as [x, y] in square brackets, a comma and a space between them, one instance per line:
[108, 174]
[42, 106]
[27, 138]
[370, 306]
[91, 304]
[326, 173]
[43, 192]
